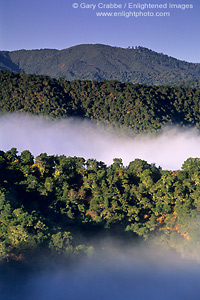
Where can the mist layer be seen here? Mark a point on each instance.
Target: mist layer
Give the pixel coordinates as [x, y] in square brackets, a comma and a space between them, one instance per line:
[75, 137]
[135, 274]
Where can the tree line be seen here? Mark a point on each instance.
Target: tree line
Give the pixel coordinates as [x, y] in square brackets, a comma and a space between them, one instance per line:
[57, 204]
[141, 108]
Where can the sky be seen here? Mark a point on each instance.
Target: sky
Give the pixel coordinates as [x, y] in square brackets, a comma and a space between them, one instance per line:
[60, 24]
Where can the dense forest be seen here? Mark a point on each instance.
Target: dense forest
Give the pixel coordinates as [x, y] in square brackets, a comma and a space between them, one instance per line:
[57, 204]
[101, 62]
[141, 108]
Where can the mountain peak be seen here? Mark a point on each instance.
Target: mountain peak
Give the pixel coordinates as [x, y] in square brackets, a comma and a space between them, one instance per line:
[101, 62]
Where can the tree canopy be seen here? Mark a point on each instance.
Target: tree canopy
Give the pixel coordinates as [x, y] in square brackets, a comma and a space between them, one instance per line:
[141, 108]
[57, 204]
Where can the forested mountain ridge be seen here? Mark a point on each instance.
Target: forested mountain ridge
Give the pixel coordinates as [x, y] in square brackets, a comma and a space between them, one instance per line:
[141, 108]
[100, 62]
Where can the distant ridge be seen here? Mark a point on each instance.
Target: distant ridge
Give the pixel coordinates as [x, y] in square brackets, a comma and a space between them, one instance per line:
[101, 62]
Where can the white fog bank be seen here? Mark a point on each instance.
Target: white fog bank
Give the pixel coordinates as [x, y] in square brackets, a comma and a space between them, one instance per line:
[75, 137]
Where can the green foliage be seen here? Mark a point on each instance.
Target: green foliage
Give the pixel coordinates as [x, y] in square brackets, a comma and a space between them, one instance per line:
[61, 242]
[57, 203]
[140, 108]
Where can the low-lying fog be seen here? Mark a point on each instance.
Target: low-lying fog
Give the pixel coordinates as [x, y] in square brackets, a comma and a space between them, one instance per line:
[120, 274]
[75, 137]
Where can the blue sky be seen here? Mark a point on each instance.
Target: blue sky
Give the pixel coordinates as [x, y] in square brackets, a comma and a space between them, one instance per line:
[36, 24]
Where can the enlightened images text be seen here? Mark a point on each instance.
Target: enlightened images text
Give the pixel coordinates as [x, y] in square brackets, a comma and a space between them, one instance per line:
[131, 5]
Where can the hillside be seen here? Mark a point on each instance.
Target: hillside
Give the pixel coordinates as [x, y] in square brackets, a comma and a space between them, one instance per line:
[58, 203]
[141, 108]
[100, 62]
